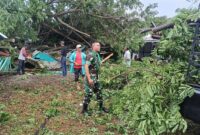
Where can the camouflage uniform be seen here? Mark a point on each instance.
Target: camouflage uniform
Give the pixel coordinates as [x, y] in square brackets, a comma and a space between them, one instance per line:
[93, 61]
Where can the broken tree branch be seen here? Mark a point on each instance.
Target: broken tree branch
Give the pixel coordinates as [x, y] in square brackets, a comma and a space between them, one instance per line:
[82, 38]
[107, 58]
[72, 28]
[60, 33]
[65, 12]
[106, 17]
[159, 28]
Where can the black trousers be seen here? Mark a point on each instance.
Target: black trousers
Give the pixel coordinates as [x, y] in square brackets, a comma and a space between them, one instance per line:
[77, 73]
[21, 66]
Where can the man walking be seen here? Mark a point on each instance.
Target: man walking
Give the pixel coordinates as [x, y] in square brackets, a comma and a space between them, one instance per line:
[92, 67]
[22, 57]
[63, 58]
[77, 63]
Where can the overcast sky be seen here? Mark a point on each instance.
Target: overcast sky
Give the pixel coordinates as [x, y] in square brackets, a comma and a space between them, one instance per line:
[168, 7]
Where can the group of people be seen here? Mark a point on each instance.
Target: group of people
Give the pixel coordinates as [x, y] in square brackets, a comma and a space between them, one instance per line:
[81, 64]
[87, 66]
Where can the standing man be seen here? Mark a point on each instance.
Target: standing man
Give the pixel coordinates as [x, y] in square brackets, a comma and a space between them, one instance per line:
[63, 58]
[127, 57]
[77, 63]
[92, 67]
[22, 57]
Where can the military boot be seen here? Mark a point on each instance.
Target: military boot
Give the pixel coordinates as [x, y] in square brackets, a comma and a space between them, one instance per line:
[101, 108]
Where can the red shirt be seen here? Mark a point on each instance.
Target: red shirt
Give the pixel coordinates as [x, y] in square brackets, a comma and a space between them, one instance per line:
[78, 60]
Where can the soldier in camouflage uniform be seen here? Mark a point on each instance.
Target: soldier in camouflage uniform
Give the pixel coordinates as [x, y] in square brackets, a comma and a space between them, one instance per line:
[91, 83]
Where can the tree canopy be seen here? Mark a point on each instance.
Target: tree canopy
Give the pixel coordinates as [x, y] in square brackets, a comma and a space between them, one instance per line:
[114, 22]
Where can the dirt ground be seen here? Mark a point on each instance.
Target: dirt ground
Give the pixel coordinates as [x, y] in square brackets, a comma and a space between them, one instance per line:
[30, 99]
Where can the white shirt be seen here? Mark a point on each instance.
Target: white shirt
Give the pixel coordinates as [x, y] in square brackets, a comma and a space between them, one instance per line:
[127, 55]
[21, 54]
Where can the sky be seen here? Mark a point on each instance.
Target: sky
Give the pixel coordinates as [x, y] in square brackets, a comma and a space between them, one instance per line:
[168, 7]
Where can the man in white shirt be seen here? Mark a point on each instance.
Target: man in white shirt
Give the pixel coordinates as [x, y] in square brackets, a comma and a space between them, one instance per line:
[22, 57]
[127, 57]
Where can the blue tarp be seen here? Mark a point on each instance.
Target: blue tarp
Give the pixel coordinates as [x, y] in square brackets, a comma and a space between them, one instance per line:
[43, 57]
[5, 64]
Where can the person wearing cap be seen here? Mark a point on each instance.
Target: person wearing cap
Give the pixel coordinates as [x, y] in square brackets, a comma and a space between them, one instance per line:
[22, 57]
[77, 62]
[63, 58]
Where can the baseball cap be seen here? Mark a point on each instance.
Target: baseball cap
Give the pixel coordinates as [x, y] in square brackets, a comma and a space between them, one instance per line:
[78, 46]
